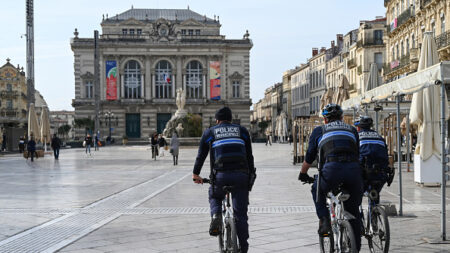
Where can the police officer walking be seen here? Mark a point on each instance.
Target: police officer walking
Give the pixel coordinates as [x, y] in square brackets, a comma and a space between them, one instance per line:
[338, 144]
[373, 156]
[231, 165]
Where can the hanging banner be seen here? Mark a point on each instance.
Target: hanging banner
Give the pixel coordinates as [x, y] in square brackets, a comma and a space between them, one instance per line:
[111, 80]
[214, 81]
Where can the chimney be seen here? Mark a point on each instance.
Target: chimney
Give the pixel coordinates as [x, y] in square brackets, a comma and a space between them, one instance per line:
[315, 51]
[332, 44]
[323, 49]
[340, 40]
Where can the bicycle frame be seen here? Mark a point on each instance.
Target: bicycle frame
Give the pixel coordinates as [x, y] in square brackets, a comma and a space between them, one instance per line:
[337, 215]
[227, 210]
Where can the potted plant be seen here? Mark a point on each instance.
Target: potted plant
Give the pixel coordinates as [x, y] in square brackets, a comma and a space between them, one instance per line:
[124, 140]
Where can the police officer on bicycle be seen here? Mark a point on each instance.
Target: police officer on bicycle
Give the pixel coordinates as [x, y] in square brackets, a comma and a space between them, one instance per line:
[338, 144]
[232, 165]
[373, 157]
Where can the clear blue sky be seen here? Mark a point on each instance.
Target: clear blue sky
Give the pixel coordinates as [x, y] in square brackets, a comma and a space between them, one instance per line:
[283, 33]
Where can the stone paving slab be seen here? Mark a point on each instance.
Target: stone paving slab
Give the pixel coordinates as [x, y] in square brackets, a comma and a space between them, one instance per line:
[47, 189]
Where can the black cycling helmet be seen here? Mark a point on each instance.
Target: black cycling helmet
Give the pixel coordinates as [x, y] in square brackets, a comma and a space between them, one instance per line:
[365, 122]
[332, 111]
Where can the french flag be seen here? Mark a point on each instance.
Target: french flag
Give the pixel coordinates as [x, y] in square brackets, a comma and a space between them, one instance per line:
[166, 78]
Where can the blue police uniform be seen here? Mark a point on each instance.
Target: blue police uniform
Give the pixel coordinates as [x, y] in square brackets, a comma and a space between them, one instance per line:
[373, 153]
[232, 158]
[339, 144]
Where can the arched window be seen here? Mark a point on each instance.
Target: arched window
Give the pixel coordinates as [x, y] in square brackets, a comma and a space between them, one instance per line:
[194, 80]
[163, 78]
[132, 80]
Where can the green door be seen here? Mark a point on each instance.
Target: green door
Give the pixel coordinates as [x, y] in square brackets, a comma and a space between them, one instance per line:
[161, 121]
[133, 125]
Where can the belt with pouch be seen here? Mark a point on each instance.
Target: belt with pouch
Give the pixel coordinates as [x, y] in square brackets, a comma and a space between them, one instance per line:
[342, 159]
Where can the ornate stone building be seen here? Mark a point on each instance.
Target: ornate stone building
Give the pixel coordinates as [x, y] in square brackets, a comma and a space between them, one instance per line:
[407, 21]
[13, 98]
[146, 55]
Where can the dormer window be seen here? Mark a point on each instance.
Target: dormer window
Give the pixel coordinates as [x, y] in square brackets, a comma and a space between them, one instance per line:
[131, 31]
[139, 31]
[191, 32]
[124, 31]
[183, 32]
[197, 32]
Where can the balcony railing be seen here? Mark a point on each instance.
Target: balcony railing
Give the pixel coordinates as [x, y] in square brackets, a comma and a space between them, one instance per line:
[351, 63]
[9, 94]
[405, 16]
[369, 42]
[443, 40]
[9, 112]
[397, 64]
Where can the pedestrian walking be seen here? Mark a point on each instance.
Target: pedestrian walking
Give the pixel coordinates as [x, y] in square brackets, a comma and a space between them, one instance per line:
[21, 144]
[154, 144]
[56, 145]
[162, 144]
[31, 147]
[269, 138]
[4, 141]
[88, 142]
[174, 148]
[96, 142]
[232, 165]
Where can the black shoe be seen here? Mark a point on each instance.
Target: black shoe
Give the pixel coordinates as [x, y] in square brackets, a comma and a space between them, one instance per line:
[216, 225]
[324, 226]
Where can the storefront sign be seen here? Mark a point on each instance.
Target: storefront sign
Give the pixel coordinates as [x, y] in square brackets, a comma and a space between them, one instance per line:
[111, 80]
[214, 79]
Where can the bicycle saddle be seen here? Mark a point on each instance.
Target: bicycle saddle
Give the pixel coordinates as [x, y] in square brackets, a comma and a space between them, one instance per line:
[228, 188]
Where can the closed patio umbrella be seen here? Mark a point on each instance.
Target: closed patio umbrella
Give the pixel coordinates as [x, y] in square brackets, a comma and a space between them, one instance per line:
[327, 98]
[425, 105]
[33, 125]
[342, 91]
[374, 78]
[45, 127]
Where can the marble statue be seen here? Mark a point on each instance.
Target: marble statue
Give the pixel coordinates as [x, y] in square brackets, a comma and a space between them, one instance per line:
[181, 102]
[180, 129]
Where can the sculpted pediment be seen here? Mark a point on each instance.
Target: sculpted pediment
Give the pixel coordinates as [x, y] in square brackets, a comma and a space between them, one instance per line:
[87, 76]
[132, 21]
[191, 22]
[236, 76]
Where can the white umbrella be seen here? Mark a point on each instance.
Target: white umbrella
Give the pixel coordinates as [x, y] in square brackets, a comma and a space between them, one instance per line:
[326, 98]
[342, 92]
[374, 79]
[425, 105]
[45, 127]
[33, 125]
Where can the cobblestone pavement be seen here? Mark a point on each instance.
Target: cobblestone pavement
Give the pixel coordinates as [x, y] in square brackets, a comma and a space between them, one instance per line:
[119, 200]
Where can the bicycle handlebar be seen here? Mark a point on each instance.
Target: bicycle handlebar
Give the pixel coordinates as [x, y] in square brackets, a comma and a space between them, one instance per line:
[204, 180]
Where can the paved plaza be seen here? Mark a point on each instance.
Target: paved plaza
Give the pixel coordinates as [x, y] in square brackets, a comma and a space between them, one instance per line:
[119, 200]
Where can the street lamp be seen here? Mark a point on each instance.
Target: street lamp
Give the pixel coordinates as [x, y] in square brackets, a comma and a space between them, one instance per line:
[108, 116]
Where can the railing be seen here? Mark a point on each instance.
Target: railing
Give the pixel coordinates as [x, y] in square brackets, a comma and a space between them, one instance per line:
[9, 112]
[351, 63]
[369, 42]
[443, 40]
[403, 62]
[9, 94]
[405, 16]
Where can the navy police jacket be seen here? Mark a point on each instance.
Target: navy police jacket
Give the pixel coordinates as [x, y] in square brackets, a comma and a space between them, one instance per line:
[230, 146]
[374, 148]
[336, 139]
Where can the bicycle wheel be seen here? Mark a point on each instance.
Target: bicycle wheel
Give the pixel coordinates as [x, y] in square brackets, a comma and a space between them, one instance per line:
[326, 243]
[234, 248]
[380, 236]
[347, 239]
[222, 246]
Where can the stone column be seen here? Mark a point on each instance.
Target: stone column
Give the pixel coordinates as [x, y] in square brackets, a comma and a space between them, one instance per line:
[173, 85]
[148, 79]
[122, 86]
[142, 86]
[204, 86]
[153, 85]
[179, 74]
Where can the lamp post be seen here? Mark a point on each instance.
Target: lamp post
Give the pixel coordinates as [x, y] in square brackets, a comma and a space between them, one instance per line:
[108, 116]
